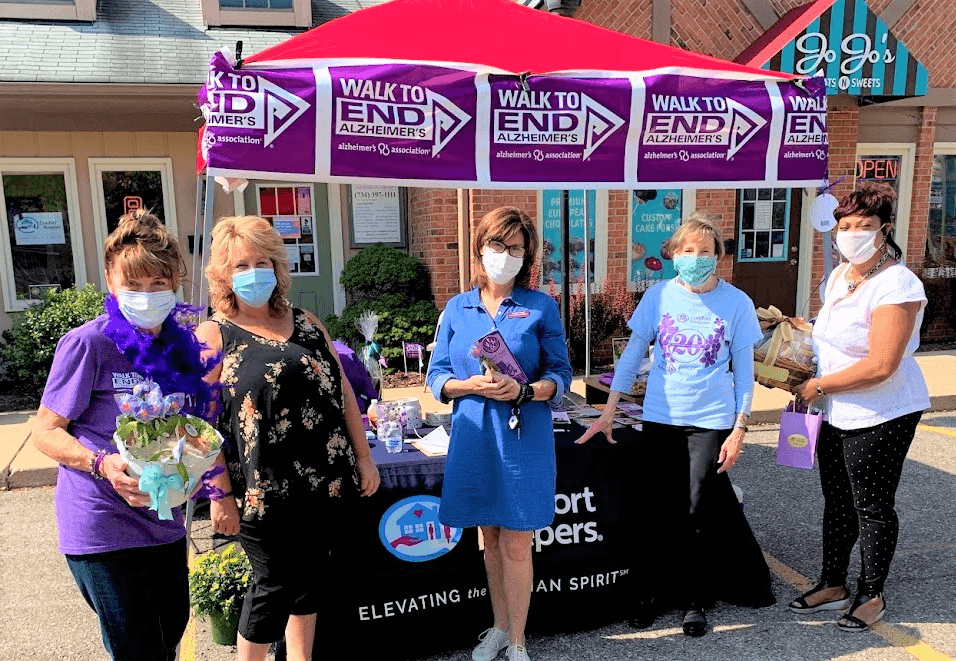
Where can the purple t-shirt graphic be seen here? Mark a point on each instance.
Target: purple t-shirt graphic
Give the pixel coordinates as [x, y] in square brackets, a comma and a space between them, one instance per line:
[91, 517]
[696, 335]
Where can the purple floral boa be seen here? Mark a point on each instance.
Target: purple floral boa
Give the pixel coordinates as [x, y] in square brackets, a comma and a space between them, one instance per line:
[171, 359]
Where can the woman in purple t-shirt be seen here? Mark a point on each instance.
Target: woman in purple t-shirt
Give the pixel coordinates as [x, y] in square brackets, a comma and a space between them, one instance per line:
[129, 565]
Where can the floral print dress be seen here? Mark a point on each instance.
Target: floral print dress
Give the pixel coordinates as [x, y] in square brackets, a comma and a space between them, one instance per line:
[284, 418]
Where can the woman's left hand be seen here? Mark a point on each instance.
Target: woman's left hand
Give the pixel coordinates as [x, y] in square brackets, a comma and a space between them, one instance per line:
[504, 388]
[731, 449]
[807, 391]
[369, 478]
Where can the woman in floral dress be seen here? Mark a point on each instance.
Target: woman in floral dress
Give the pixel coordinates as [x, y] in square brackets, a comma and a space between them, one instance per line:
[296, 441]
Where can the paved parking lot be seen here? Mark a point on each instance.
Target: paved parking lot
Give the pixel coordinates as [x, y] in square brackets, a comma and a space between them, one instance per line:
[43, 618]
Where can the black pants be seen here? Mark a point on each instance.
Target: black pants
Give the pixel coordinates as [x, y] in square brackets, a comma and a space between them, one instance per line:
[859, 472]
[705, 549]
[289, 569]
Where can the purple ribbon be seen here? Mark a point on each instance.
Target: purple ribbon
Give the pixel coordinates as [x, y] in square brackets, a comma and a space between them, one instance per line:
[208, 489]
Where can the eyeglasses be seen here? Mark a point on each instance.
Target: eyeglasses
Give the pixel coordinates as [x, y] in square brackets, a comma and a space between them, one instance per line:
[499, 247]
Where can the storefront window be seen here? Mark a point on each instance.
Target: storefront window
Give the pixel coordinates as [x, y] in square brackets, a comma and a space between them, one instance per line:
[551, 235]
[655, 215]
[38, 226]
[290, 210]
[128, 190]
[763, 222]
[941, 234]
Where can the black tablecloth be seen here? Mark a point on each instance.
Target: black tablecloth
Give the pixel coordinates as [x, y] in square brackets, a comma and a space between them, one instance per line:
[586, 564]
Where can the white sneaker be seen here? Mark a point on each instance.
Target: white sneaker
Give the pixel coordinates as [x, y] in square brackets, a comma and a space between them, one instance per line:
[517, 653]
[492, 642]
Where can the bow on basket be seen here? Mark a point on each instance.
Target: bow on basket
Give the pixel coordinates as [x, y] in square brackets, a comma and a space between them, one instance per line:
[785, 358]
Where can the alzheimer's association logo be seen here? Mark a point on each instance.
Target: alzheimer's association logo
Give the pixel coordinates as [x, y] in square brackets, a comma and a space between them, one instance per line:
[383, 109]
[552, 118]
[249, 101]
[701, 121]
[411, 531]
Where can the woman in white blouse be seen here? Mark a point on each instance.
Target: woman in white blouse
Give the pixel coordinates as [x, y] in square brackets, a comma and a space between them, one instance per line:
[874, 394]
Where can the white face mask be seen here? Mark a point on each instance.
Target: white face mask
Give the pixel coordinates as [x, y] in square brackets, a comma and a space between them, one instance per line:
[146, 309]
[500, 267]
[859, 246]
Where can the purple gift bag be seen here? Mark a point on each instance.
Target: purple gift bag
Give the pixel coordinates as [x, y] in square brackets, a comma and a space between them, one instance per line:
[799, 431]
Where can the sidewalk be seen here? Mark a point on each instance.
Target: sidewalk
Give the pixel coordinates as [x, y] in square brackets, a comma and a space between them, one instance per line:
[21, 465]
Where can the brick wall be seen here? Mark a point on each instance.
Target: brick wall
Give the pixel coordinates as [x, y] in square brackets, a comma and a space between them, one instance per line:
[433, 237]
[843, 127]
[921, 29]
[922, 177]
[631, 17]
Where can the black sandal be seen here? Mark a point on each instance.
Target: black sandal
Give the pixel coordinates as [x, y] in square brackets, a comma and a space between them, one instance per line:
[694, 622]
[800, 605]
[850, 622]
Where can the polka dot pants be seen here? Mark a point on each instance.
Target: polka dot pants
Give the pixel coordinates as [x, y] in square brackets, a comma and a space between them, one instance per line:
[859, 472]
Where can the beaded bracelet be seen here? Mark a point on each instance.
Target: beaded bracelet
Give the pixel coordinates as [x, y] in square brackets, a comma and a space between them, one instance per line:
[96, 461]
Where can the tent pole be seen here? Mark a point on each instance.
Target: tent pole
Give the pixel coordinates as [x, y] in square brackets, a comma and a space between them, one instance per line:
[464, 238]
[587, 287]
[566, 265]
[206, 230]
[196, 284]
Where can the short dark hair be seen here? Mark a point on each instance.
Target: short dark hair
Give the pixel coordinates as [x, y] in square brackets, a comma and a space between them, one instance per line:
[872, 199]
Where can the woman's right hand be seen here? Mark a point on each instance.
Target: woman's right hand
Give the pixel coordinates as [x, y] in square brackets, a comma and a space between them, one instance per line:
[604, 424]
[113, 468]
[479, 384]
[225, 516]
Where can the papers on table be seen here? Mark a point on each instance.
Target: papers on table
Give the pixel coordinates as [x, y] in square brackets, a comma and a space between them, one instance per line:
[434, 444]
[560, 418]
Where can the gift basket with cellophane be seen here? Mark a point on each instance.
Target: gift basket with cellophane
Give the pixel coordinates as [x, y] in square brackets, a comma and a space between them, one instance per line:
[784, 356]
[169, 451]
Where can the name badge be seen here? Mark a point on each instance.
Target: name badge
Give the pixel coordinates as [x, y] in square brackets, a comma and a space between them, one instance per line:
[519, 314]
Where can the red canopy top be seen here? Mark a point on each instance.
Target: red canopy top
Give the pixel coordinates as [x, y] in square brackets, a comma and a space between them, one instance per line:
[495, 33]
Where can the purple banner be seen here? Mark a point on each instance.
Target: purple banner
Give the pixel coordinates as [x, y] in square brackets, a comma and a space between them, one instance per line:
[403, 122]
[259, 120]
[704, 129]
[804, 147]
[567, 129]
[391, 123]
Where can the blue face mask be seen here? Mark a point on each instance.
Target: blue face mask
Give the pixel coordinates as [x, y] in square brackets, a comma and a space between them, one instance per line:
[254, 286]
[695, 269]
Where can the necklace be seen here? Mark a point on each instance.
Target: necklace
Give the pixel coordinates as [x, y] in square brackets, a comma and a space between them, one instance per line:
[873, 269]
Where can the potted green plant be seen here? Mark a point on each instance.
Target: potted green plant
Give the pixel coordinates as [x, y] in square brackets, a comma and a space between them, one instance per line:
[218, 581]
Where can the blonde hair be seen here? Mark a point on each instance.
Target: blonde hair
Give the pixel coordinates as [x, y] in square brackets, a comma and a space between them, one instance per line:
[143, 247]
[699, 225]
[252, 231]
[503, 224]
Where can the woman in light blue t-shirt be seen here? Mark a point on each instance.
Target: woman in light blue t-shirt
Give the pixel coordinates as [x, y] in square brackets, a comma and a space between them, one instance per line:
[699, 391]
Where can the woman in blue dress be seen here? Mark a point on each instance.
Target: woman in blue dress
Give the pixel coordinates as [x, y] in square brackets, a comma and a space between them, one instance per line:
[500, 471]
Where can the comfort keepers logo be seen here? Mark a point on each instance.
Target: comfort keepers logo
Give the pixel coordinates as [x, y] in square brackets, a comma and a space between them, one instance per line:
[248, 101]
[411, 531]
[705, 121]
[381, 109]
[553, 118]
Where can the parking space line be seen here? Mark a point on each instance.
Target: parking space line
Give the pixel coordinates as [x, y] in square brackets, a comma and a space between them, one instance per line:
[891, 633]
[187, 648]
[946, 431]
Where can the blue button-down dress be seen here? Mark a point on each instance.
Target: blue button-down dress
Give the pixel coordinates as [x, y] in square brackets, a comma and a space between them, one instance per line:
[495, 475]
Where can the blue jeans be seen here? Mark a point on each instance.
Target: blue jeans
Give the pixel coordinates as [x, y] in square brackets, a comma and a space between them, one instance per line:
[141, 596]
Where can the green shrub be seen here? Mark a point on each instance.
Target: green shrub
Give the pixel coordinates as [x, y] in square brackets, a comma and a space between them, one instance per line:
[380, 269]
[218, 581]
[395, 286]
[27, 352]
